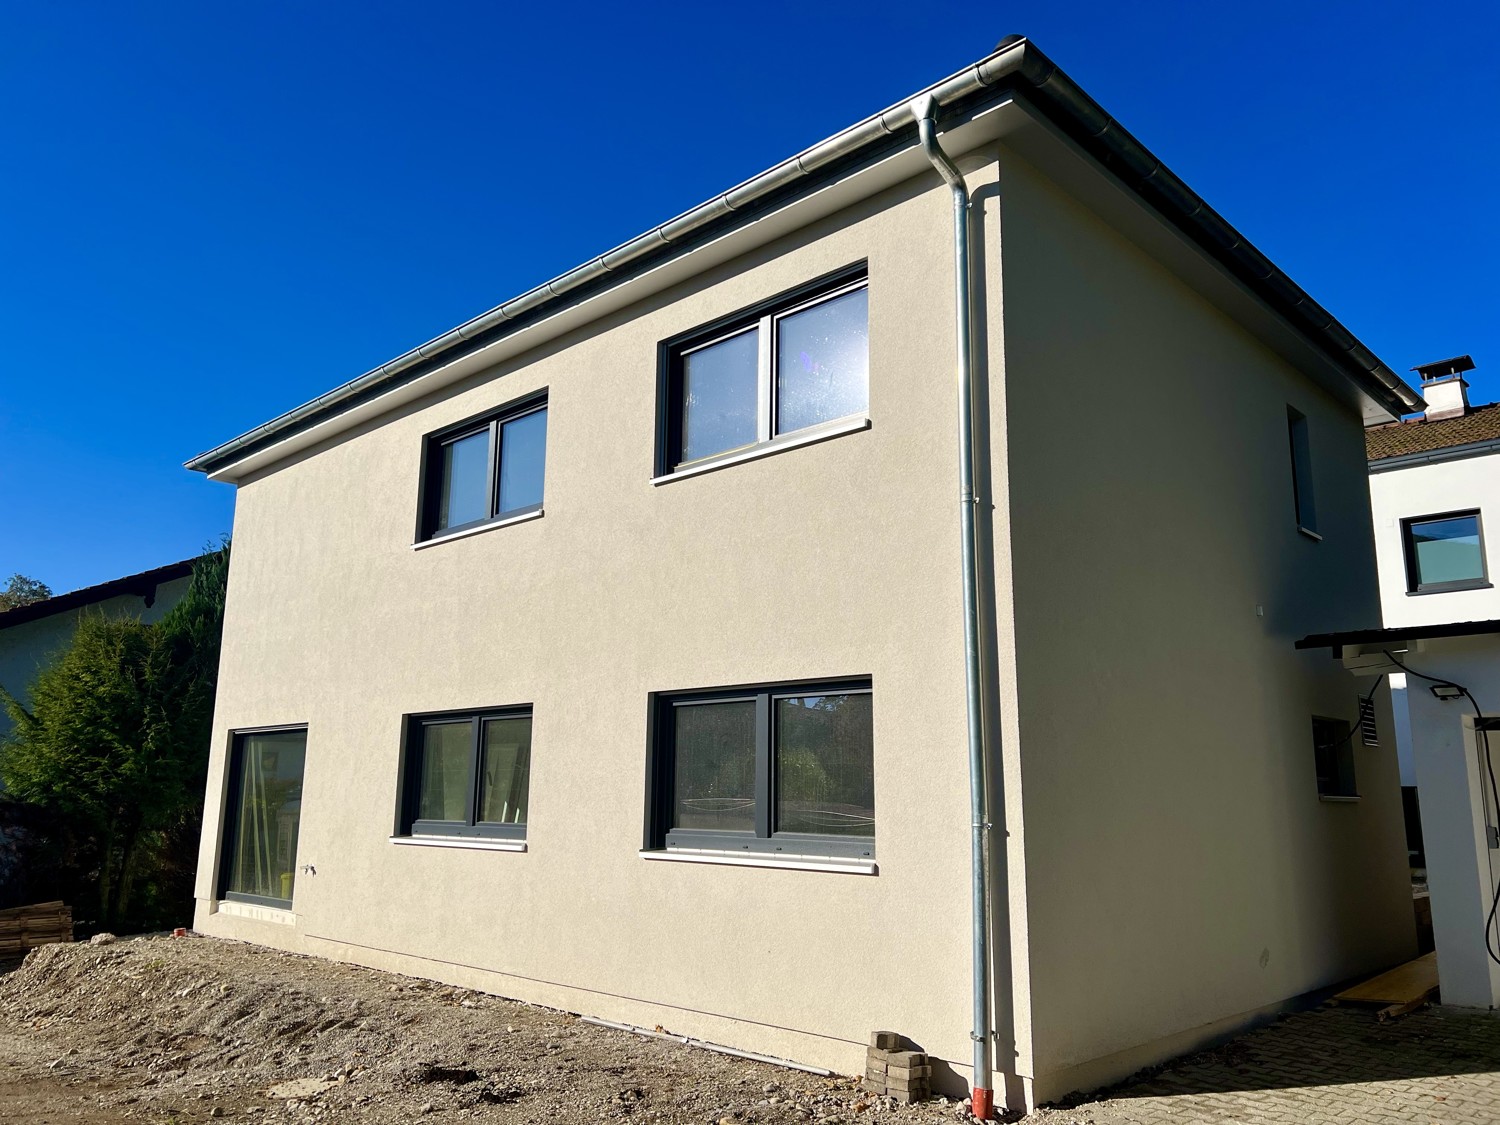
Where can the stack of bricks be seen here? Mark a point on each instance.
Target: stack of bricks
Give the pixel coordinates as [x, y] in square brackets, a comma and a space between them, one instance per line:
[894, 1072]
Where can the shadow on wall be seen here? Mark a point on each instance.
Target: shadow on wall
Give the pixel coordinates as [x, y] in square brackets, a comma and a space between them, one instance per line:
[1331, 1046]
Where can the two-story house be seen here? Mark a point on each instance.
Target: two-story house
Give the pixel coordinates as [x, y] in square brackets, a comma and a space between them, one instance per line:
[864, 601]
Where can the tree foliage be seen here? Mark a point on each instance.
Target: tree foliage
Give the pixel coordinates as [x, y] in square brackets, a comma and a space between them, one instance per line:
[115, 742]
[21, 590]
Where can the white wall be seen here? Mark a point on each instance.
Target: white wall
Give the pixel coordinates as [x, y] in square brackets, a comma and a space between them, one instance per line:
[1432, 489]
[1451, 790]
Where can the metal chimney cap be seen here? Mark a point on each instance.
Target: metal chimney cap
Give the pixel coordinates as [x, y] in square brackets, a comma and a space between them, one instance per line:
[1442, 368]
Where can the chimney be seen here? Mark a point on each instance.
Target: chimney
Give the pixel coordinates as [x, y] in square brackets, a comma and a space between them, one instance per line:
[1444, 388]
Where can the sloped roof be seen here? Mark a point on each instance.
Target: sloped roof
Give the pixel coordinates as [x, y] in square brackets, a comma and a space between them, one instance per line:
[1397, 439]
[142, 585]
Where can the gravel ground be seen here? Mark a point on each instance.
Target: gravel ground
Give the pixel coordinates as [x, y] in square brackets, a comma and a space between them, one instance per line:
[177, 1030]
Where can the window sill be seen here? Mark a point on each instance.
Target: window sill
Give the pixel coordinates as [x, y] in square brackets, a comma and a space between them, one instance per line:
[809, 436]
[745, 859]
[1310, 533]
[1334, 800]
[255, 913]
[1451, 589]
[473, 843]
[468, 531]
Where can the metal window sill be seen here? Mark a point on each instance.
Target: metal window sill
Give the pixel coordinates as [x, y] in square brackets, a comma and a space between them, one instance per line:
[255, 913]
[1310, 533]
[750, 859]
[476, 530]
[809, 436]
[1419, 593]
[473, 843]
[1335, 800]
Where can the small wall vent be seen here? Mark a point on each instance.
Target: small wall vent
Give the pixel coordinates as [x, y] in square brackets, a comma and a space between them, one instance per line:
[1369, 733]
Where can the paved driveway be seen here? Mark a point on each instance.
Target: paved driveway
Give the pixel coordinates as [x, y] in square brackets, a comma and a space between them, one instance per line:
[1439, 1065]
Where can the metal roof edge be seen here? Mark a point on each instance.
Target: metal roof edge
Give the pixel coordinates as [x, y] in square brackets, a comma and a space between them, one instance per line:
[1336, 641]
[1434, 456]
[1016, 65]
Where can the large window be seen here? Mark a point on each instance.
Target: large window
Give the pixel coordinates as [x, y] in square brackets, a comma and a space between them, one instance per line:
[261, 816]
[1444, 553]
[786, 769]
[467, 774]
[796, 365]
[484, 470]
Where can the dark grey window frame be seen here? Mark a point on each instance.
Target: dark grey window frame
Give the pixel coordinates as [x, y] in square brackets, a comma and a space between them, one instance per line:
[766, 313]
[1409, 555]
[230, 815]
[660, 761]
[409, 785]
[1304, 504]
[1341, 735]
[431, 475]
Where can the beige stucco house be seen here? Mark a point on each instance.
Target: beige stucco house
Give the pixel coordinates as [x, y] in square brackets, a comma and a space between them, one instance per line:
[609, 651]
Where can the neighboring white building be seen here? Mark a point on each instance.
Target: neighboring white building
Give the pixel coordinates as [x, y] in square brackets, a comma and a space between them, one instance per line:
[1434, 485]
[1434, 481]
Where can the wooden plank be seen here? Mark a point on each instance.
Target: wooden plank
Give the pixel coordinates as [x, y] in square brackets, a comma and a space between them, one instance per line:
[1405, 984]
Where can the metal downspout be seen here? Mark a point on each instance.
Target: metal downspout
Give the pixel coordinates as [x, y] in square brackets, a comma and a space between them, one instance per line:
[923, 109]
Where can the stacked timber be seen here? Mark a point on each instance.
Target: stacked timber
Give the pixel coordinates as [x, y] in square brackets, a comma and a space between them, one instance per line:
[25, 927]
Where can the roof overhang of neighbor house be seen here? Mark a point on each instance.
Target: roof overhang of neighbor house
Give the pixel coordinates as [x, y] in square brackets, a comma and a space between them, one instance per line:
[1016, 93]
[142, 585]
[1384, 638]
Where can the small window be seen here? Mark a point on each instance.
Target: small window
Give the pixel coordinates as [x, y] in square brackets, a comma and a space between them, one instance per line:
[788, 769]
[1302, 475]
[1334, 754]
[467, 774]
[1444, 552]
[484, 470]
[262, 815]
[785, 367]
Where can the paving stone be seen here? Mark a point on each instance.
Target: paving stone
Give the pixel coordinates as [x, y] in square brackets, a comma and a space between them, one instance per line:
[1437, 1066]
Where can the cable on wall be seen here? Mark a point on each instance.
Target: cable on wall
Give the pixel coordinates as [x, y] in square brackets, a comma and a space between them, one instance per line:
[1491, 933]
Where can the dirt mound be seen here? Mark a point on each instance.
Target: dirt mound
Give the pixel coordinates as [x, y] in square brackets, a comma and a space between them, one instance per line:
[196, 1028]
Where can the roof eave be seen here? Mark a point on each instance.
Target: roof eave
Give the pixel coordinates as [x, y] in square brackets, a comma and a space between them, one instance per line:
[1017, 66]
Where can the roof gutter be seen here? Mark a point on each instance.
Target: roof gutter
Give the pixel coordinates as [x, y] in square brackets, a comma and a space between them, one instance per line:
[1016, 66]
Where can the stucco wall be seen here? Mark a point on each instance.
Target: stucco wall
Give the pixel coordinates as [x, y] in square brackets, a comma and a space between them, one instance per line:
[1452, 782]
[1428, 490]
[836, 559]
[1180, 868]
[28, 648]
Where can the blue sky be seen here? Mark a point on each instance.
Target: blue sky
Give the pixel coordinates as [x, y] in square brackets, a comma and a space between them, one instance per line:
[211, 213]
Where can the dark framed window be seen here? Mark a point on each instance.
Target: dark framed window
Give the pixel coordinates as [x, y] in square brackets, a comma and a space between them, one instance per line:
[1444, 552]
[262, 814]
[786, 366]
[484, 470]
[466, 773]
[1303, 505]
[786, 768]
[1333, 753]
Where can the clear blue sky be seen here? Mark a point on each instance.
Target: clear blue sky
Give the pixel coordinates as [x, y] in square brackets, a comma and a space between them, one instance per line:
[210, 213]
